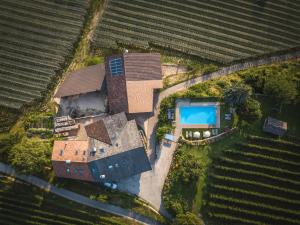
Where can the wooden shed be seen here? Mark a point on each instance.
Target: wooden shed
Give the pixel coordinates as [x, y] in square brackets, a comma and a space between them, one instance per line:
[274, 126]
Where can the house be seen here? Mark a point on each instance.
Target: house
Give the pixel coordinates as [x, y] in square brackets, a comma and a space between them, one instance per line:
[274, 126]
[131, 81]
[83, 92]
[102, 151]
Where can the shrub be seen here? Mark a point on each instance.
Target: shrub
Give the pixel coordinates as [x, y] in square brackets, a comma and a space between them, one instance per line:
[187, 219]
[250, 110]
[94, 60]
[30, 155]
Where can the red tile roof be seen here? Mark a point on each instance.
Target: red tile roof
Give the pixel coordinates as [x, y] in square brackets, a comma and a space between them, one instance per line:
[73, 170]
[73, 150]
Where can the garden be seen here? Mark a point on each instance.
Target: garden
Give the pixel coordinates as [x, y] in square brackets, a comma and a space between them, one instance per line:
[249, 177]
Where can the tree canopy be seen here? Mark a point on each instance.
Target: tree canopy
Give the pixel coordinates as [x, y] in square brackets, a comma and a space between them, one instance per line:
[30, 155]
[250, 110]
[187, 219]
[237, 94]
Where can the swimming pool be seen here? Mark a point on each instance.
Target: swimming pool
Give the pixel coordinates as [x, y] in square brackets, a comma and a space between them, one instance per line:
[198, 115]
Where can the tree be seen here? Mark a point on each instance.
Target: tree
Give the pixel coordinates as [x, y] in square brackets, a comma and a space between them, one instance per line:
[237, 94]
[281, 87]
[187, 219]
[250, 110]
[30, 155]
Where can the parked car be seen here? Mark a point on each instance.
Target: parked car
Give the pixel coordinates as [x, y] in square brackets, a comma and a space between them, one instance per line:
[111, 185]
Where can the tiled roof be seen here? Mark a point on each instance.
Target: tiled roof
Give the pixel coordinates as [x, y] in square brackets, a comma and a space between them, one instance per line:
[83, 81]
[140, 95]
[98, 131]
[120, 166]
[132, 91]
[142, 66]
[73, 170]
[73, 150]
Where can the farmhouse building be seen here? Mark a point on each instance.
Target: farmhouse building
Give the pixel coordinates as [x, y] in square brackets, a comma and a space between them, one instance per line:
[131, 80]
[83, 92]
[102, 151]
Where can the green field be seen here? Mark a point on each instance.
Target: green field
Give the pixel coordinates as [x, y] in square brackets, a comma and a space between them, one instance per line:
[222, 31]
[21, 203]
[256, 182]
[37, 37]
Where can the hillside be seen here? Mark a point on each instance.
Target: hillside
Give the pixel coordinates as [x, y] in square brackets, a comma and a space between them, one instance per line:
[222, 31]
[36, 38]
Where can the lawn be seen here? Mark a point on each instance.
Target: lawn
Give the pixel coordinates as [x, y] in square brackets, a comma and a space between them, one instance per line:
[22, 203]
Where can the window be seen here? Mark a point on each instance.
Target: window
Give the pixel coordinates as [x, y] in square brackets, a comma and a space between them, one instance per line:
[116, 67]
[83, 152]
[92, 153]
[68, 170]
[76, 153]
[61, 152]
[101, 150]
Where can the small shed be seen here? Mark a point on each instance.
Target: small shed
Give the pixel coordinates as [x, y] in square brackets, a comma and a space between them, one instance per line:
[274, 126]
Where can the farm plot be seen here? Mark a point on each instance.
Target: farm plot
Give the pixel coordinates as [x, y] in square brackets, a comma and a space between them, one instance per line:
[222, 31]
[256, 183]
[21, 203]
[36, 37]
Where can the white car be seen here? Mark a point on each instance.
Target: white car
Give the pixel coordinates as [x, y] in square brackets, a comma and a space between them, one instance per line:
[111, 185]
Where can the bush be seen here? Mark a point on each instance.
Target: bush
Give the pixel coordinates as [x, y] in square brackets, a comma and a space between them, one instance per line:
[94, 60]
[250, 111]
[30, 155]
[187, 219]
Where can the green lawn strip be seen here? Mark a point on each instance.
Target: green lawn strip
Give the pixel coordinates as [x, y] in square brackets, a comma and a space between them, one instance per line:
[255, 165]
[263, 156]
[226, 217]
[252, 213]
[26, 215]
[255, 183]
[6, 218]
[270, 150]
[99, 193]
[254, 204]
[252, 174]
[31, 198]
[259, 169]
[256, 194]
[271, 142]
[18, 205]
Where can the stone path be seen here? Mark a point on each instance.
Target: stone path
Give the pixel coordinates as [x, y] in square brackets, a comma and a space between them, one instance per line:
[76, 197]
[149, 185]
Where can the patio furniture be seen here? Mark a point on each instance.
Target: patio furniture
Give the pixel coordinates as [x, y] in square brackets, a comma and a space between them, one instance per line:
[197, 135]
[206, 134]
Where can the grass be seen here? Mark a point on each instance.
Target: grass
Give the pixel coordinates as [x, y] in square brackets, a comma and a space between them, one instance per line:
[25, 204]
[102, 194]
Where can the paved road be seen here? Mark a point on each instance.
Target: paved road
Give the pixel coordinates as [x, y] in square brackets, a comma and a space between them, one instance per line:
[149, 185]
[76, 197]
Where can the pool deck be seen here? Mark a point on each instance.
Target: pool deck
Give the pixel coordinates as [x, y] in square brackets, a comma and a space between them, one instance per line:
[187, 102]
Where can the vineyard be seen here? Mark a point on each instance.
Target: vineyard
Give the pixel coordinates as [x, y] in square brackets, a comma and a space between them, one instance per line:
[36, 38]
[222, 31]
[21, 203]
[255, 183]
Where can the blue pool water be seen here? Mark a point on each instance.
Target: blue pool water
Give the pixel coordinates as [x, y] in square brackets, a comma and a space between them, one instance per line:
[193, 115]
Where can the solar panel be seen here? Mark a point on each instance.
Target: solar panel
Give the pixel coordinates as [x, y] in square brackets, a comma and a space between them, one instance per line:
[116, 67]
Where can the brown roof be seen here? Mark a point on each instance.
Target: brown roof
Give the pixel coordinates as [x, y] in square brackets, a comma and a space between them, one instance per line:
[132, 91]
[142, 66]
[140, 95]
[73, 170]
[73, 150]
[98, 131]
[86, 80]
